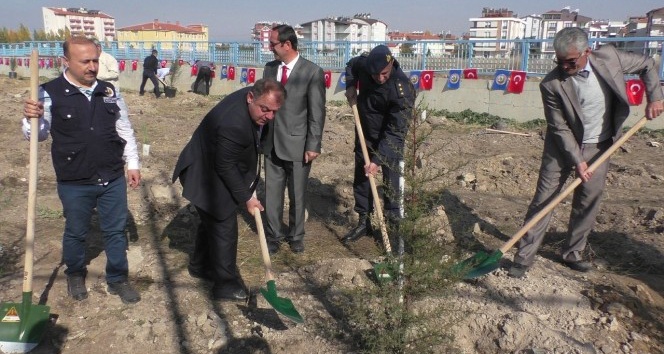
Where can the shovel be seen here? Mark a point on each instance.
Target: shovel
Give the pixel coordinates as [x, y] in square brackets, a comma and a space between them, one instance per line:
[384, 272]
[22, 324]
[281, 304]
[483, 263]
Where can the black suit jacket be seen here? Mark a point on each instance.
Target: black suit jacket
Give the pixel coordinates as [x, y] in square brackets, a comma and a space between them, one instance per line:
[219, 164]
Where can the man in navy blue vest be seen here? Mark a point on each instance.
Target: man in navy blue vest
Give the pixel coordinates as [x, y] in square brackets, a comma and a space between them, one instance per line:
[91, 136]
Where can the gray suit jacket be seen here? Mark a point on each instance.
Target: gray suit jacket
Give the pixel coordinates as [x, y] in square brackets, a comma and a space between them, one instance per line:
[562, 144]
[298, 126]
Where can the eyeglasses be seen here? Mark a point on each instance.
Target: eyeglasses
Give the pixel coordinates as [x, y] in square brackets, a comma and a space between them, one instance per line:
[570, 63]
[274, 44]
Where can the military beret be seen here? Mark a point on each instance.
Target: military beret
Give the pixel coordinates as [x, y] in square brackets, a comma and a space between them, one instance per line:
[378, 59]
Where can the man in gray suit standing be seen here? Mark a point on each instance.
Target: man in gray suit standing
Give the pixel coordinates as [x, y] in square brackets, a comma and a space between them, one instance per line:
[294, 138]
[585, 105]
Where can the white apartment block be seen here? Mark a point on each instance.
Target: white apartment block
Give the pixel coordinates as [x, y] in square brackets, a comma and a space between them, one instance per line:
[533, 27]
[554, 21]
[79, 21]
[360, 28]
[493, 26]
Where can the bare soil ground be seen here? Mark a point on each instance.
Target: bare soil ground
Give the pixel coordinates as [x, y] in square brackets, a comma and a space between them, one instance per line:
[618, 307]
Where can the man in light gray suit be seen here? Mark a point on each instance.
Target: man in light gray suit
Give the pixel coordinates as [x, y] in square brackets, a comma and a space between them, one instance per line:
[294, 138]
[585, 105]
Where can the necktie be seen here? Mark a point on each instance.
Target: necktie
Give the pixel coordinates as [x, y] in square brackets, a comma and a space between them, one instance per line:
[584, 73]
[284, 75]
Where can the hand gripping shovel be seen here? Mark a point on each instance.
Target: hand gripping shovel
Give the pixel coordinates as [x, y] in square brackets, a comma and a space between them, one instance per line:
[482, 263]
[22, 324]
[281, 304]
[384, 272]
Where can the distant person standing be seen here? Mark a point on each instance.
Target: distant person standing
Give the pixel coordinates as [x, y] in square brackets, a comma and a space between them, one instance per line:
[293, 140]
[204, 69]
[109, 71]
[150, 67]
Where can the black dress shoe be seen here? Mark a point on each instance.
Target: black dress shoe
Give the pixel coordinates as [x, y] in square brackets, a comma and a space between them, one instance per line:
[272, 247]
[579, 266]
[229, 291]
[200, 273]
[362, 229]
[296, 246]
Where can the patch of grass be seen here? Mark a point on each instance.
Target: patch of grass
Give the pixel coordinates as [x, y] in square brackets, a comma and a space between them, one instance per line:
[48, 213]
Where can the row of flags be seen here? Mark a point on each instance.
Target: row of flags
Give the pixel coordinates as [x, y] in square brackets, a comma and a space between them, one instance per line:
[511, 81]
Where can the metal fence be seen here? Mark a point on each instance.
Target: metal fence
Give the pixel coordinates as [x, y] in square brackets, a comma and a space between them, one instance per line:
[531, 55]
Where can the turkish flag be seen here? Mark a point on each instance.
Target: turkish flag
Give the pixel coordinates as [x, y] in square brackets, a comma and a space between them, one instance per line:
[426, 79]
[41, 63]
[470, 73]
[194, 70]
[163, 63]
[328, 78]
[213, 74]
[251, 75]
[122, 65]
[635, 89]
[231, 73]
[134, 65]
[517, 80]
[49, 63]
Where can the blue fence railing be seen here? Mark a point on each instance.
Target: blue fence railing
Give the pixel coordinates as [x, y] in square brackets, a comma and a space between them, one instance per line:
[531, 55]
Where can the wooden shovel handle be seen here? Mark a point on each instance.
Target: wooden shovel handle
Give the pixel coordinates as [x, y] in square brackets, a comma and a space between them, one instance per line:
[32, 176]
[603, 157]
[372, 182]
[264, 251]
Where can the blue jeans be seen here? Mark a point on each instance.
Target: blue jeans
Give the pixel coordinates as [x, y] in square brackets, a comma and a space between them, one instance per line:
[78, 202]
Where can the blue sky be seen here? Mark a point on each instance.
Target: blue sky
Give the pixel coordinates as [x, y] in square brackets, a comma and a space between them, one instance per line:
[232, 20]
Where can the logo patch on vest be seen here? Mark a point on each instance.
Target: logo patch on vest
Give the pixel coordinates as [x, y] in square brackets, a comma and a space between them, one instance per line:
[109, 92]
[110, 100]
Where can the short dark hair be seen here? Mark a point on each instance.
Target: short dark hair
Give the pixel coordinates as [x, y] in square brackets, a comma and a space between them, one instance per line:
[267, 85]
[75, 40]
[286, 33]
[154, 51]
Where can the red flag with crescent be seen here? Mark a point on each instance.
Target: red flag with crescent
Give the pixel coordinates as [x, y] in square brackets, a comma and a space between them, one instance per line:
[328, 78]
[635, 89]
[194, 70]
[134, 65]
[517, 80]
[122, 65]
[470, 73]
[231, 73]
[251, 75]
[426, 79]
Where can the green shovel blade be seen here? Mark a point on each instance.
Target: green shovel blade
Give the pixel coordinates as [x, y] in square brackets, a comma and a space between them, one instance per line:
[480, 264]
[281, 304]
[22, 325]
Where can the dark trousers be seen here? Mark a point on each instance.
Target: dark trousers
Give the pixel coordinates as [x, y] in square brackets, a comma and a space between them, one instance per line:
[585, 206]
[78, 203]
[216, 247]
[153, 77]
[392, 193]
[203, 74]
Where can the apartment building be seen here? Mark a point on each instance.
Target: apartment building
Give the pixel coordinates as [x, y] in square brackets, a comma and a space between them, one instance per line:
[169, 35]
[655, 27]
[261, 32]
[79, 21]
[494, 26]
[357, 29]
[420, 43]
[555, 20]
